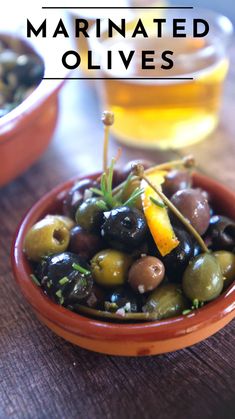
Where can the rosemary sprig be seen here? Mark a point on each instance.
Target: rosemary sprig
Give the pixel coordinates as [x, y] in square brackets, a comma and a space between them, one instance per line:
[79, 268]
[133, 197]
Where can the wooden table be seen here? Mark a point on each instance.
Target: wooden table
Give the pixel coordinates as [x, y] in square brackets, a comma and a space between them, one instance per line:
[42, 376]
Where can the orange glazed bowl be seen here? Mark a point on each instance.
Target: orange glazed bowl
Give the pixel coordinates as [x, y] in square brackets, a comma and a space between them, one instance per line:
[135, 339]
[26, 130]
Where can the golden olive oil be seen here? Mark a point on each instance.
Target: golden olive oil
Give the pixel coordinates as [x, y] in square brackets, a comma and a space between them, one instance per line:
[165, 113]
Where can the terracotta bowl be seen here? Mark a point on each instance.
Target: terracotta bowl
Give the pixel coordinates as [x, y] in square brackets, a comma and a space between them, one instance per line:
[147, 338]
[25, 132]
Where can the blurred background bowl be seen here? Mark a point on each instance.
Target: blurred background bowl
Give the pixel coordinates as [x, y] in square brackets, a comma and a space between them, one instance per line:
[25, 131]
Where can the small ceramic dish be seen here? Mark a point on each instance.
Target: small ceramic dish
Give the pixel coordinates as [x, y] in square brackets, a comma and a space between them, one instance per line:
[26, 130]
[148, 338]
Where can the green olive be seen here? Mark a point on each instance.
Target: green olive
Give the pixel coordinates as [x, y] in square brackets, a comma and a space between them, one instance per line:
[203, 279]
[46, 237]
[89, 214]
[110, 267]
[227, 264]
[166, 301]
[68, 222]
[135, 183]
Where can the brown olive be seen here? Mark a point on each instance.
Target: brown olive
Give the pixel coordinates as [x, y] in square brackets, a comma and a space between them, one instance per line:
[194, 206]
[175, 181]
[83, 243]
[46, 237]
[146, 274]
[227, 265]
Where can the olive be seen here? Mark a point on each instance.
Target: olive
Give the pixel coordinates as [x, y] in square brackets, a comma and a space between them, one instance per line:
[222, 233]
[124, 173]
[124, 229]
[89, 215]
[178, 259]
[131, 187]
[110, 267]
[175, 181]
[146, 274]
[65, 278]
[84, 243]
[166, 301]
[227, 265]
[77, 290]
[48, 236]
[203, 279]
[125, 298]
[194, 206]
[75, 196]
[28, 70]
[68, 222]
[96, 298]
[55, 267]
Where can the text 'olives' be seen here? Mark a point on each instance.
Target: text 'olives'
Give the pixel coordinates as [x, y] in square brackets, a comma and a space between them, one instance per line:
[124, 229]
[146, 274]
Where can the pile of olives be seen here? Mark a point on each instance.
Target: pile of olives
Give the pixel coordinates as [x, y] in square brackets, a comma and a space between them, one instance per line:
[98, 256]
[20, 72]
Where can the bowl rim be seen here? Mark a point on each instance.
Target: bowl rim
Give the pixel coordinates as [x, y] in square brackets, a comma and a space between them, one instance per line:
[79, 324]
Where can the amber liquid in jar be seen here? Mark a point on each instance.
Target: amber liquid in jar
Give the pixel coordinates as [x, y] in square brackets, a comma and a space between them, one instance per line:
[166, 113]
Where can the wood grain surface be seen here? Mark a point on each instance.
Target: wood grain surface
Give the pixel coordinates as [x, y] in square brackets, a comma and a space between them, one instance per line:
[42, 376]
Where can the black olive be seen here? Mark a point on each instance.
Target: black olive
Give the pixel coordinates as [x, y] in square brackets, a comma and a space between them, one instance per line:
[78, 288]
[62, 281]
[177, 261]
[221, 233]
[124, 229]
[57, 266]
[123, 297]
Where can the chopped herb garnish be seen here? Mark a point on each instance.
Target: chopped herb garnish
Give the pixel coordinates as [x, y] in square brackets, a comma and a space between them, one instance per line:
[158, 203]
[185, 312]
[132, 199]
[79, 268]
[64, 280]
[59, 294]
[35, 280]
[195, 303]
[96, 191]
